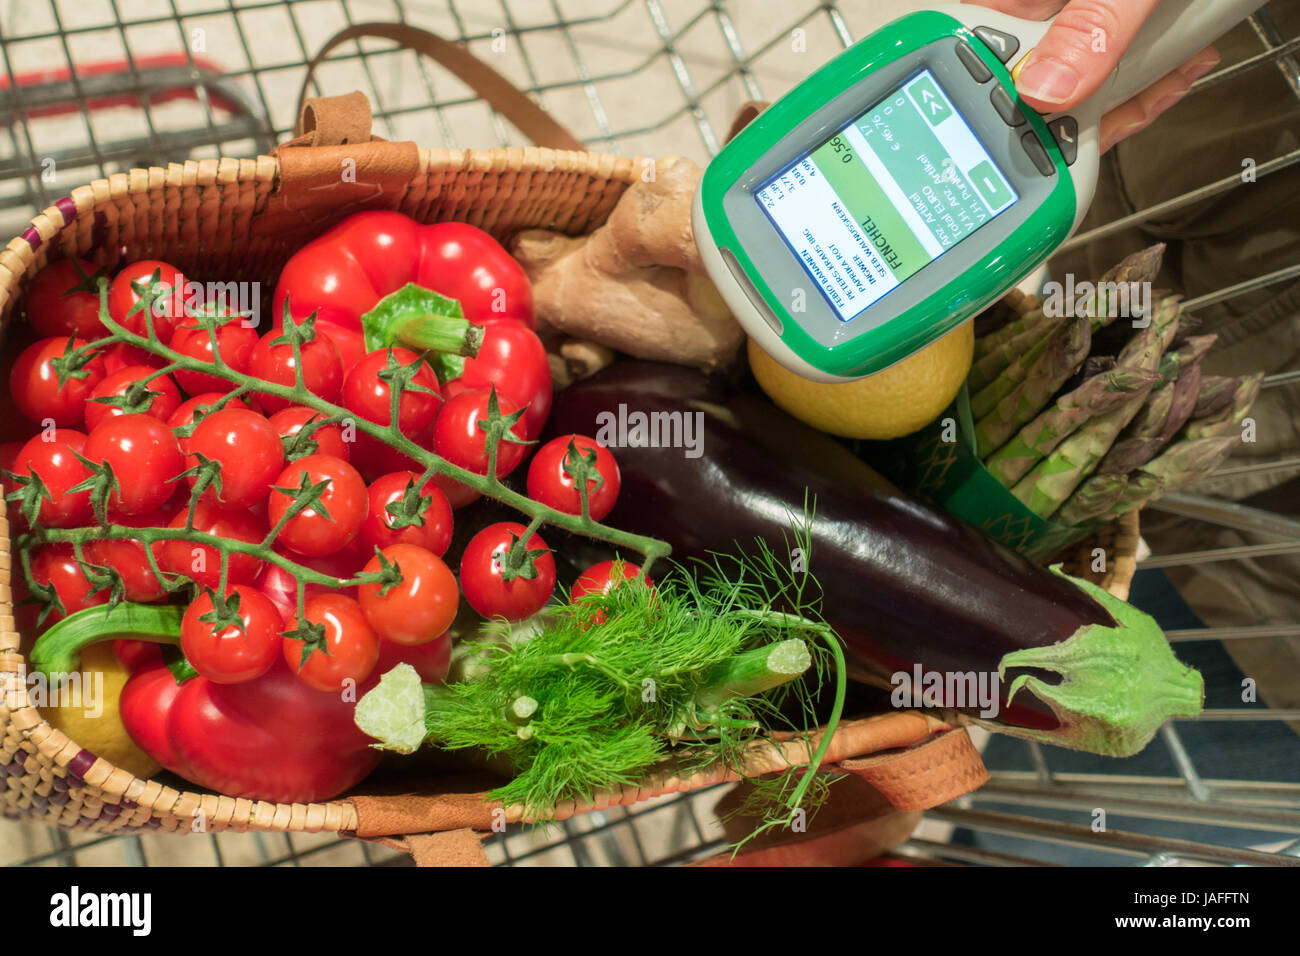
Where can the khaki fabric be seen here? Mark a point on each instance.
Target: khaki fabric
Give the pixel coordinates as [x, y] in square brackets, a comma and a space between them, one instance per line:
[1241, 234]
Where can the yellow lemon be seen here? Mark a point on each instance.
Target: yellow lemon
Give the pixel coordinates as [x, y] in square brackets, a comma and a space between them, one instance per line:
[91, 718]
[903, 398]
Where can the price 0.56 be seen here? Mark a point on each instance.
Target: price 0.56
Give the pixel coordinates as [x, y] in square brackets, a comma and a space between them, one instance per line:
[842, 149]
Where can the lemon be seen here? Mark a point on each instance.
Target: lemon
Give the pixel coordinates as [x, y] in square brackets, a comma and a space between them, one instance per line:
[903, 398]
[103, 735]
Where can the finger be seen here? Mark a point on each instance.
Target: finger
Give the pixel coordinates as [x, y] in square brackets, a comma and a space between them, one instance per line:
[1079, 51]
[1137, 113]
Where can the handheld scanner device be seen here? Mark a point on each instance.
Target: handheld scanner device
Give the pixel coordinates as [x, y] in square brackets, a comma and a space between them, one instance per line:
[904, 186]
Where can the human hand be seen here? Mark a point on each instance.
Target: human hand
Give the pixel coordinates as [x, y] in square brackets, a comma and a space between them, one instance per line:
[1069, 64]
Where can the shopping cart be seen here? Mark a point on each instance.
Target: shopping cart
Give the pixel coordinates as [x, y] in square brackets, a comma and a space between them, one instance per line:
[93, 88]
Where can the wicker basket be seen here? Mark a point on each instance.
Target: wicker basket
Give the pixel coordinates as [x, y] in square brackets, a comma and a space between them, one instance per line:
[241, 219]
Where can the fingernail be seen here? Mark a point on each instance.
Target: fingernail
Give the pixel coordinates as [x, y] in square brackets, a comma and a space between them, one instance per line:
[1198, 70]
[1122, 133]
[1048, 80]
[1167, 101]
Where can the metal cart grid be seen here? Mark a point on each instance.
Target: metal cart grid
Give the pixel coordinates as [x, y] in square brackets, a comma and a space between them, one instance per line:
[92, 87]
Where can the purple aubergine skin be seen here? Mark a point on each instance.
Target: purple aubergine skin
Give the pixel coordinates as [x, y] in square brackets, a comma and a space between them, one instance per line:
[903, 582]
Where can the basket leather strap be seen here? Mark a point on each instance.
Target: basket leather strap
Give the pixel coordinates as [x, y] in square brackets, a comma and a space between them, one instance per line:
[497, 91]
[944, 767]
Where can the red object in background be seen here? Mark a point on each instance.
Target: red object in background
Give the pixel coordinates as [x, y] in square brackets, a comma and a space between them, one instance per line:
[342, 274]
[124, 68]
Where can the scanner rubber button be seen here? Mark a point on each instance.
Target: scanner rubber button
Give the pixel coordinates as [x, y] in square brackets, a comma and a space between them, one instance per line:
[1038, 153]
[1006, 107]
[1004, 45]
[1065, 130]
[971, 60]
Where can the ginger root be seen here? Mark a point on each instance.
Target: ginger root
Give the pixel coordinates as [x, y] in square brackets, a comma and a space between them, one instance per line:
[636, 284]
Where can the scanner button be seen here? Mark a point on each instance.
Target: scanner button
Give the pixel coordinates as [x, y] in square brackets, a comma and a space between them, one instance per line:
[1004, 45]
[754, 296]
[1066, 131]
[971, 60]
[1006, 107]
[1038, 153]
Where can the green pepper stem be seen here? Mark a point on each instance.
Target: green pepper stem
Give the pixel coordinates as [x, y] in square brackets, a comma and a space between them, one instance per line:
[440, 333]
[58, 650]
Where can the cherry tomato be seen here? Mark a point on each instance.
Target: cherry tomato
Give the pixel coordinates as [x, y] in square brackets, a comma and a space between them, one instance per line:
[127, 557]
[434, 530]
[120, 355]
[287, 422]
[163, 404]
[351, 647]
[232, 654]
[549, 483]
[247, 448]
[369, 395]
[144, 456]
[201, 562]
[168, 310]
[513, 358]
[53, 309]
[604, 576]
[34, 383]
[421, 607]
[458, 438]
[59, 469]
[235, 344]
[482, 574]
[311, 532]
[322, 371]
[431, 660]
[55, 566]
[282, 587]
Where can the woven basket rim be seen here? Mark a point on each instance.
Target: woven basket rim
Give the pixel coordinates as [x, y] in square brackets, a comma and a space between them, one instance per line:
[124, 801]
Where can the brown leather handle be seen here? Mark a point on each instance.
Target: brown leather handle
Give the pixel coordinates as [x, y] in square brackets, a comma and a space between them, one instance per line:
[499, 93]
[915, 761]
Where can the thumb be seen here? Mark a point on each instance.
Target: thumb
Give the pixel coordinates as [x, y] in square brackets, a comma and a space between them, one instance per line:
[1079, 51]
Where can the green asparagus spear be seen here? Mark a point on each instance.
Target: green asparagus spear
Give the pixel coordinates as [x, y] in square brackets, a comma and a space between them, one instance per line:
[1216, 395]
[1096, 396]
[1141, 267]
[992, 365]
[1064, 353]
[1228, 421]
[995, 340]
[1141, 488]
[987, 398]
[1164, 413]
[1054, 479]
[1093, 498]
[1184, 462]
[1186, 390]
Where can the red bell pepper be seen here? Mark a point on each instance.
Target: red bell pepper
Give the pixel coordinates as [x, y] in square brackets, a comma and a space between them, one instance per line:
[273, 738]
[342, 274]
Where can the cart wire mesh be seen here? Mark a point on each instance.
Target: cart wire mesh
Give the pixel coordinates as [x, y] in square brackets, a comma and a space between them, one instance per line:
[93, 87]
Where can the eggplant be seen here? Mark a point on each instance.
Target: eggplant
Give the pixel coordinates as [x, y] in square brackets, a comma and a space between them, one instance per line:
[915, 594]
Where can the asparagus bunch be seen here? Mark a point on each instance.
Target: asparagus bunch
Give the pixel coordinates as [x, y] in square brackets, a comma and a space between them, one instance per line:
[1006, 353]
[1082, 438]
